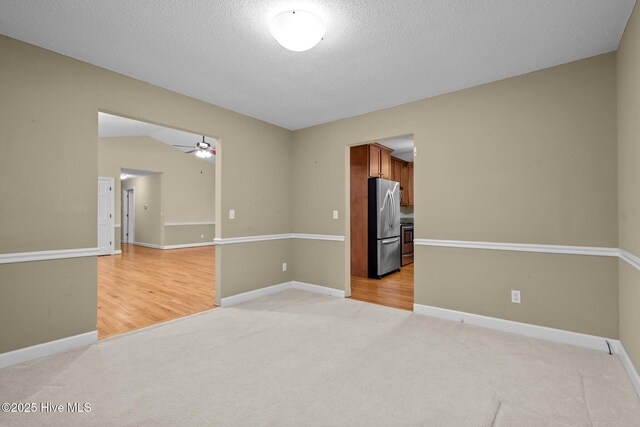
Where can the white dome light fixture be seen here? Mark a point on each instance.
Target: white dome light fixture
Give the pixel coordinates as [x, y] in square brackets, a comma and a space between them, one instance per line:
[297, 30]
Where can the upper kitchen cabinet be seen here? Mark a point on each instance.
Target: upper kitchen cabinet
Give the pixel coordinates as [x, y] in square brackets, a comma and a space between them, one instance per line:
[404, 184]
[402, 172]
[379, 161]
[396, 169]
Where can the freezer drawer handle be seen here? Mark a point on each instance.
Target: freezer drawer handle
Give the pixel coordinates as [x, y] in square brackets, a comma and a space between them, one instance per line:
[388, 241]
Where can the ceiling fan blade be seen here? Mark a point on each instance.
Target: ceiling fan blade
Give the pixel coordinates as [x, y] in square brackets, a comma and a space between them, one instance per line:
[192, 151]
[212, 150]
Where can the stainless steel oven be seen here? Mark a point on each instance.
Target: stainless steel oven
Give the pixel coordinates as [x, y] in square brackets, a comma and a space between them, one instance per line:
[407, 243]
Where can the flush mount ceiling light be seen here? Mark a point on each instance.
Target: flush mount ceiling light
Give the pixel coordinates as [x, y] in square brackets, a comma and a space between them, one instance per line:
[297, 30]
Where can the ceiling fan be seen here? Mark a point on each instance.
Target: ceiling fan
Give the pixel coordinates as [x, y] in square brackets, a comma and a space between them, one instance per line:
[203, 149]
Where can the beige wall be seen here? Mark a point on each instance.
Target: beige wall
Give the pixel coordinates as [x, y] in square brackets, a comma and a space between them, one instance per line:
[263, 259]
[49, 99]
[572, 292]
[149, 205]
[318, 262]
[184, 234]
[187, 190]
[530, 159]
[188, 194]
[117, 235]
[46, 300]
[629, 183]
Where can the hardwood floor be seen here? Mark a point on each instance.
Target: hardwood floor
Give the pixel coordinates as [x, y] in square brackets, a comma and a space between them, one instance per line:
[145, 286]
[395, 290]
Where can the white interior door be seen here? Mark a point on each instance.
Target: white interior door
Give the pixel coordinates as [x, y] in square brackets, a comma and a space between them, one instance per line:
[105, 215]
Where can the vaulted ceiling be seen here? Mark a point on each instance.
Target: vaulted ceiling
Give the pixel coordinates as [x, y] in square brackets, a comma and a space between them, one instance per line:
[110, 126]
[375, 54]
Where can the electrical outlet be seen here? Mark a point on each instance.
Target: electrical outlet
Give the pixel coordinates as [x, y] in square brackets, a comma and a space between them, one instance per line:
[202, 236]
[415, 151]
[232, 214]
[284, 266]
[515, 297]
[335, 214]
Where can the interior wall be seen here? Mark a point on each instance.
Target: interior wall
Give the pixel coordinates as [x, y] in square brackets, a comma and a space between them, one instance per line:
[530, 159]
[51, 99]
[188, 185]
[628, 183]
[117, 237]
[46, 300]
[149, 206]
[188, 234]
[189, 196]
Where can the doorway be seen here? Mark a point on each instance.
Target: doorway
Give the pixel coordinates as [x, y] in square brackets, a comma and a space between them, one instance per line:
[382, 222]
[128, 216]
[163, 265]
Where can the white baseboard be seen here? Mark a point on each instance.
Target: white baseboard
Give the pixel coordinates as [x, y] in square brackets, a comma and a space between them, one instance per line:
[169, 224]
[118, 252]
[541, 332]
[324, 290]
[185, 245]
[47, 349]
[148, 245]
[189, 245]
[528, 330]
[270, 290]
[618, 349]
[247, 296]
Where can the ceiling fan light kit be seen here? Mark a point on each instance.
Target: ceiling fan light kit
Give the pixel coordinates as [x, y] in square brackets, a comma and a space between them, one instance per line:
[203, 149]
[203, 154]
[297, 30]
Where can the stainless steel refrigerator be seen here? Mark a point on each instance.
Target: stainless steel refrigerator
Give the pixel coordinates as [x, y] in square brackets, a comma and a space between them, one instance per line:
[385, 252]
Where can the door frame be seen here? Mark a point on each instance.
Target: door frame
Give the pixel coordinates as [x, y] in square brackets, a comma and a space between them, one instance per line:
[347, 204]
[111, 223]
[131, 219]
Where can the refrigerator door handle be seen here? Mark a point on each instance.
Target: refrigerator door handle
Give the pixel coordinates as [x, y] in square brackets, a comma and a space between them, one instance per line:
[392, 210]
[389, 241]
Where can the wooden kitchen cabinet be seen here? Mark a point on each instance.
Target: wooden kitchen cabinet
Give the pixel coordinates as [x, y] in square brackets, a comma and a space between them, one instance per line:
[402, 172]
[366, 161]
[379, 161]
[375, 159]
[396, 169]
[385, 163]
[359, 191]
[404, 185]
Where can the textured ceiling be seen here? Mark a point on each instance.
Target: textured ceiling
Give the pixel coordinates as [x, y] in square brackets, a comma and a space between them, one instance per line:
[115, 126]
[375, 54]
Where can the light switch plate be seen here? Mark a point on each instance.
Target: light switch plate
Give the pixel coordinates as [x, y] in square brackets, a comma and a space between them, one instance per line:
[335, 214]
[232, 214]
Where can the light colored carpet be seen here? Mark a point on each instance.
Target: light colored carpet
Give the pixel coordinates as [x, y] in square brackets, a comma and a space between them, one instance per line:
[298, 358]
